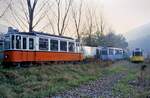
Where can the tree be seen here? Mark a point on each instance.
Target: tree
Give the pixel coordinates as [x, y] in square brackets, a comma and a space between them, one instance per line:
[77, 16]
[108, 40]
[90, 41]
[6, 8]
[90, 26]
[62, 20]
[26, 14]
[100, 24]
[31, 9]
[58, 16]
[114, 40]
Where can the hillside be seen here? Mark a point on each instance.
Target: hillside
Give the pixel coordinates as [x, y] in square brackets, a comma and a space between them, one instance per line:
[139, 32]
[139, 38]
[142, 42]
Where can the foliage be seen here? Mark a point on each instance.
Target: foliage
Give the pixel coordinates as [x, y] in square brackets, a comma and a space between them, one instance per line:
[110, 39]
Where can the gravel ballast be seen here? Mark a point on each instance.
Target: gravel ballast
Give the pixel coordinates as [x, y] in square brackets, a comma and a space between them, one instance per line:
[95, 89]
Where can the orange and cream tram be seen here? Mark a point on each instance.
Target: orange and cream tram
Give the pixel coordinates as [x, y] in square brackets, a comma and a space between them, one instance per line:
[32, 47]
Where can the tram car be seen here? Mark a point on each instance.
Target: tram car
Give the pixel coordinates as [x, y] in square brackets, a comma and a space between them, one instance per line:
[1, 51]
[89, 52]
[112, 54]
[137, 56]
[33, 47]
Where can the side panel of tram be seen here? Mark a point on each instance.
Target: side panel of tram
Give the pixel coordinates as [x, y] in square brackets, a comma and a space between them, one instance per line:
[21, 48]
[112, 54]
[31, 56]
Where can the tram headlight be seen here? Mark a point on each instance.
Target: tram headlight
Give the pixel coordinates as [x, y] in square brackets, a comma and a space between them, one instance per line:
[6, 56]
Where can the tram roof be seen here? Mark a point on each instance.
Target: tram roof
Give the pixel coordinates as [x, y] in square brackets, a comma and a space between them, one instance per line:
[38, 33]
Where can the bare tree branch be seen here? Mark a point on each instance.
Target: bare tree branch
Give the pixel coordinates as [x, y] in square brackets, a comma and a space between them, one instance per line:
[19, 18]
[44, 14]
[62, 16]
[100, 24]
[65, 17]
[77, 19]
[10, 22]
[41, 8]
[25, 12]
[16, 18]
[31, 9]
[6, 9]
[58, 12]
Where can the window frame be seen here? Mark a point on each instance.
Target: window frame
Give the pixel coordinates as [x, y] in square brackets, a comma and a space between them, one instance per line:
[1, 46]
[46, 48]
[20, 42]
[111, 52]
[51, 47]
[104, 52]
[72, 47]
[13, 45]
[137, 53]
[8, 48]
[118, 52]
[29, 43]
[23, 42]
[61, 49]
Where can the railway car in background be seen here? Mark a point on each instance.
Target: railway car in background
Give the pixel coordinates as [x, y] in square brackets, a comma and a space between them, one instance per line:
[89, 52]
[112, 54]
[104, 53]
[33, 47]
[137, 56]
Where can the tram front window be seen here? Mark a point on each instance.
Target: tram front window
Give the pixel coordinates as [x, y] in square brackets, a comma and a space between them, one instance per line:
[137, 54]
[7, 42]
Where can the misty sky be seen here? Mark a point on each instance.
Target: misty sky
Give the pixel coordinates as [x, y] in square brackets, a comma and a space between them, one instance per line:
[125, 15]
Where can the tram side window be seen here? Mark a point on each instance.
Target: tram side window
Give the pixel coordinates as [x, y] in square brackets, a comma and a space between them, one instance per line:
[7, 42]
[18, 42]
[31, 43]
[43, 44]
[24, 43]
[1, 45]
[118, 52]
[104, 52]
[71, 47]
[54, 45]
[63, 45]
[111, 51]
[12, 41]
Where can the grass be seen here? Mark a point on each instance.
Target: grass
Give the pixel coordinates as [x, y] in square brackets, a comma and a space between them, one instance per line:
[125, 90]
[42, 81]
[45, 80]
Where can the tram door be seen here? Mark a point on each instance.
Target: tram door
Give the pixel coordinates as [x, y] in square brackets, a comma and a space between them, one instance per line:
[31, 52]
[97, 53]
[24, 46]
